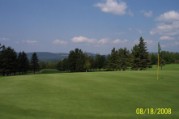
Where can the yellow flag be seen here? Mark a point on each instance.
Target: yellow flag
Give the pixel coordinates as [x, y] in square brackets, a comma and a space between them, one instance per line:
[158, 64]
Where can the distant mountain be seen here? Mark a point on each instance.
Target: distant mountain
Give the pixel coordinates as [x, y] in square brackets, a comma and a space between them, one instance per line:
[47, 56]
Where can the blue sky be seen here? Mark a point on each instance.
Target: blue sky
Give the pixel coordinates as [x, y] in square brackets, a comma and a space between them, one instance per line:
[93, 25]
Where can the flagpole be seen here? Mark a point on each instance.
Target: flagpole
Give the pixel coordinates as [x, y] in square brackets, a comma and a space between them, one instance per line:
[158, 66]
[158, 63]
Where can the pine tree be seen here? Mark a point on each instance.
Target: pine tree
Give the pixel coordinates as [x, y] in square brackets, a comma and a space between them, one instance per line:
[76, 60]
[34, 63]
[113, 60]
[140, 56]
[23, 63]
[1, 50]
[135, 58]
[8, 61]
[123, 59]
[99, 61]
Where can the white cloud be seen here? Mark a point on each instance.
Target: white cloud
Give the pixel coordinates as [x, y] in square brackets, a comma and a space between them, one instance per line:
[98, 42]
[113, 6]
[167, 26]
[102, 41]
[166, 38]
[59, 42]
[164, 28]
[169, 16]
[82, 39]
[147, 13]
[119, 41]
[29, 41]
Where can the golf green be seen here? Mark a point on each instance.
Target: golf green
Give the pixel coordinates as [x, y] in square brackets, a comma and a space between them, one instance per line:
[91, 95]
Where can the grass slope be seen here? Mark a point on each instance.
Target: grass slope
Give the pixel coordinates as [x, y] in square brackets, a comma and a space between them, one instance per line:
[94, 95]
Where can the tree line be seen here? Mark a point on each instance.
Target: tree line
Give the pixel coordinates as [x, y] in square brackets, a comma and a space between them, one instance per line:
[12, 63]
[138, 58]
[121, 59]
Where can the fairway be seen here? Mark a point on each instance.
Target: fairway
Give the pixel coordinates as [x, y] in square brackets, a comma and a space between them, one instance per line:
[89, 95]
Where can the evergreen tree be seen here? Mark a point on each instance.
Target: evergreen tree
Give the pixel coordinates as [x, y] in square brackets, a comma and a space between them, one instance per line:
[60, 66]
[8, 61]
[1, 50]
[113, 60]
[87, 64]
[119, 59]
[76, 60]
[34, 63]
[23, 63]
[99, 61]
[140, 56]
[135, 58]
[123, 59]
[63, 65]
[1, 47]
[153, 58]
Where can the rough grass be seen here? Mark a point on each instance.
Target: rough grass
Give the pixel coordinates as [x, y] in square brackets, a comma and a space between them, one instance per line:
[91, 95]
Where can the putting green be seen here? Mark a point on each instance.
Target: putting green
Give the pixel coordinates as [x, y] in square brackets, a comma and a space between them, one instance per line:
[90, 95]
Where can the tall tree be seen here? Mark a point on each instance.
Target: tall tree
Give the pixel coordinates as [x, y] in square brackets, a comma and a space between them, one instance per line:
[135, 58]
[1, 51]
[63, 65]
[140, 56]
[76, 60]
[34, 63]
[23, 63]
[123, 59]
[1, 46]
[8, 61]
[119, 59]
[153, 58]
[99, 61]
[113, 60]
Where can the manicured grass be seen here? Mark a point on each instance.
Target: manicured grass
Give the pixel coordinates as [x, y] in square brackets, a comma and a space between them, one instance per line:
[171, 67]
[89, 95]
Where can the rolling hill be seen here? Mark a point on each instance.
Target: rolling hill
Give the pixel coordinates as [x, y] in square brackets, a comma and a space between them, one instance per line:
[48, 56]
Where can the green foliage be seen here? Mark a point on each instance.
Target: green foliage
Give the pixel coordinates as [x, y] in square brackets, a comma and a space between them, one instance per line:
[34, 63]
[99, 61]
[140, 56]
[113, 60]
[119, 59]
[169, 57]
[8, 61]
[23, 63]
[48, 64]
[76, 60]
[153, 58]
[63, 65]
[165, 58]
